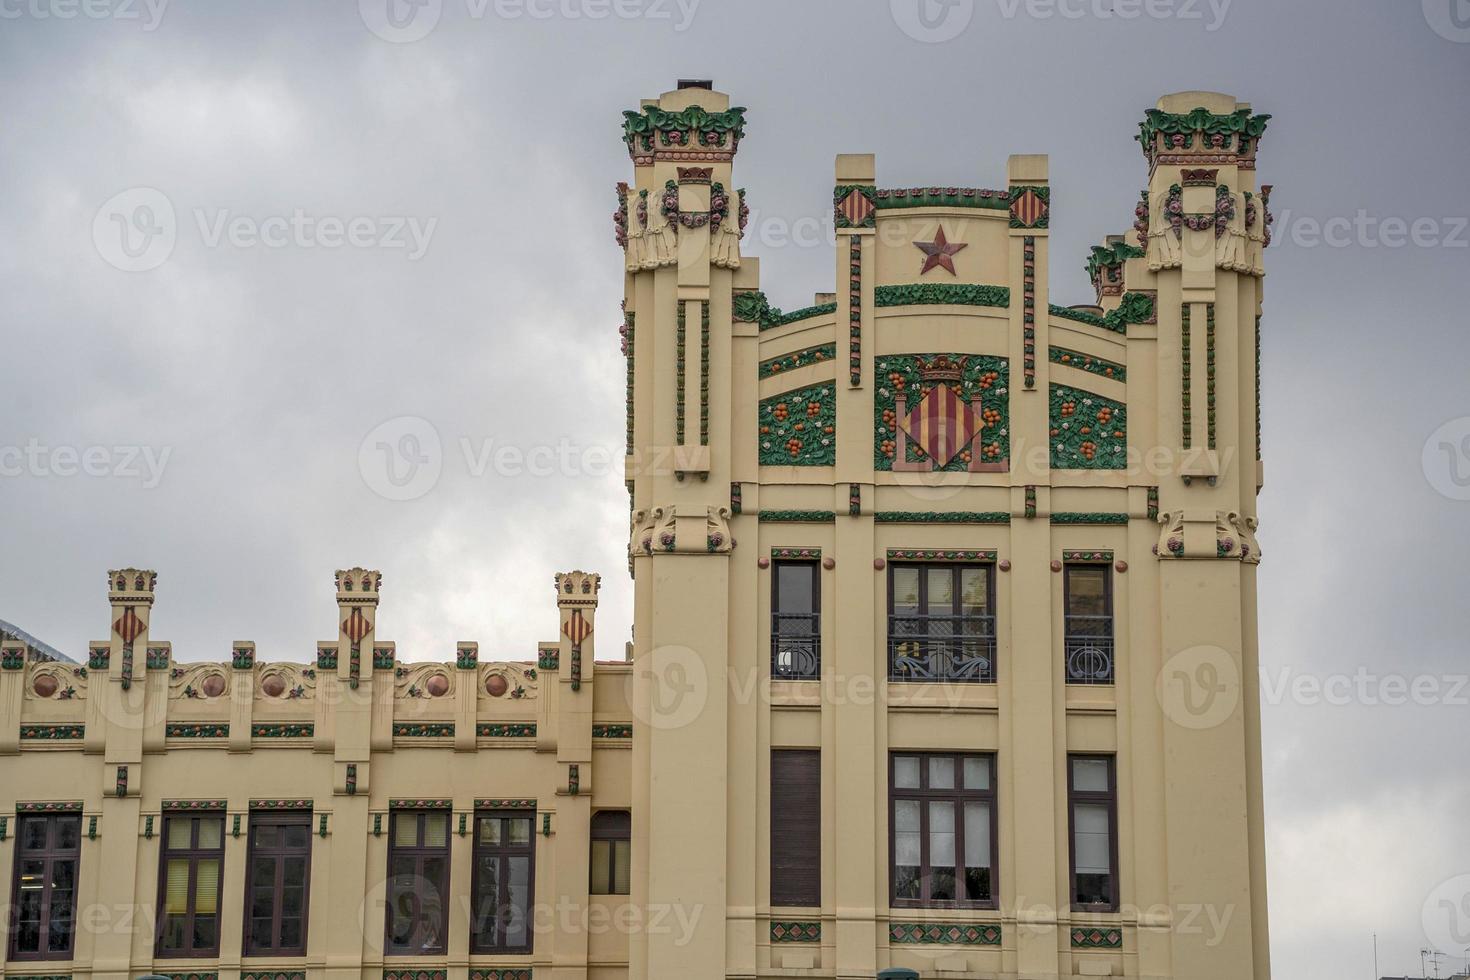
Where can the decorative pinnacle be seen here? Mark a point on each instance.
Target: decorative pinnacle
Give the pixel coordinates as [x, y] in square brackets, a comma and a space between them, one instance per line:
[131, 585]
[577, 588]
[358, 584]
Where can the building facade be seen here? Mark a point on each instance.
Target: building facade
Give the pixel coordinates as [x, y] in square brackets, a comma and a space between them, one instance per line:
[944, 651]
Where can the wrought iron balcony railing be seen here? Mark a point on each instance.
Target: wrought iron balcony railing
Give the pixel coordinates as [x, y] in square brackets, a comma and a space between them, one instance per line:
[941, 648]
[796, 646]
[1089, 649]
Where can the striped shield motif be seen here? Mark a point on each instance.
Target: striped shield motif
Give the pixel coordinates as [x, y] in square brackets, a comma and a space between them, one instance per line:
[355, 626]
[128, 625]
[576, 628]
[856, 208]
[1028, 208]
[943, 424]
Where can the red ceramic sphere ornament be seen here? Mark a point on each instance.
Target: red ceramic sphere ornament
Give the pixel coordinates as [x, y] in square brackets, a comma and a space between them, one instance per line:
[829, 563]
[1121, 566]
[273, 686]
[1056, 566]
[878, 564]
[1005, 564]
[437, 685]
[44, 685]
[213, 686]
[496, 686]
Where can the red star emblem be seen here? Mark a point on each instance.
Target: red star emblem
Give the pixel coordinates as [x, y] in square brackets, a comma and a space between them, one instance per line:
[937, 254]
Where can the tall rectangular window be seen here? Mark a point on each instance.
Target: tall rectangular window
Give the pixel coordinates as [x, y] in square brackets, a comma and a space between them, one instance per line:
[277, 880]
[796, 620]
[418, 883]
[796, 827]
[192, 881]
[1088, 626]
[943, 834]
[1092, 790]
[44, 893]
[612, 854]
[505, 859]
[941, 622]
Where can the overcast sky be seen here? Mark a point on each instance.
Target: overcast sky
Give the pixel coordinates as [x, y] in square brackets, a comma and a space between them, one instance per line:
[230, 399]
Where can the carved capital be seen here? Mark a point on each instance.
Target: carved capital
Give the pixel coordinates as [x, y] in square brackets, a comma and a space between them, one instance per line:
[1234, 537]
[668, 530]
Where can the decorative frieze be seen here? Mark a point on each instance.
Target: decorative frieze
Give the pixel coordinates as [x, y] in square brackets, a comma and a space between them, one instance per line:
[944, 934]
[273, 975]
[941, 517]
[1090, 363]
[798, 517]
[184, 729]
[491, 729]
[885, 199]
[412, 804]
[51, 733]
[194, 806]
[1089, 518]
[1088, 431]
[942, 294]
[415, 973]
[751, 306]
[268, 805]
[855, 310]
[1097, 937]
[909, 554]
[612, 731]
[505, 804]
[501, 973]
[694, 134]
[1210, 375]
[798, 359]
[1185, 396]
[799, 428]
[283, 730]
[1135, 307]
[1028, 314]
[438, 729]
[48, 806]
[627, 332]
[1088, 557]
[1200, 136]
[790, 931]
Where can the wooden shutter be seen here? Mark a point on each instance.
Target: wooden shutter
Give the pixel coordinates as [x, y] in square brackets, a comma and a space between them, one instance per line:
[796, 827]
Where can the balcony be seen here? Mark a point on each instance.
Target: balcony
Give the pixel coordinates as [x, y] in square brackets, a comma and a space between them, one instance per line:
[796, 646]
[942, 648]
[1089, 649]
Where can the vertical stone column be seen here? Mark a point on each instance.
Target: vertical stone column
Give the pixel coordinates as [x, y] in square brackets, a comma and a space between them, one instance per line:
[1201, 148]
[681, 253]
[123, 713]
[576, 601]
[852, 652]
[353, 931]
[1032, 742]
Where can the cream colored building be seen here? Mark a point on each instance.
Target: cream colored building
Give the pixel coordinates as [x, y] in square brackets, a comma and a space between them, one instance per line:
[944, 648]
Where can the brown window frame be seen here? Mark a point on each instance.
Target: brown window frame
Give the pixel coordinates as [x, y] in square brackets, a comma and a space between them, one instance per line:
[1093, 797]
[959, 795]
[279, 854]
[50, 854]
[615, 827]
[194, 854]
[503, 852]
[985, 640]
[803, 671]
[784, 891]
[419, 852]
[1089, 640]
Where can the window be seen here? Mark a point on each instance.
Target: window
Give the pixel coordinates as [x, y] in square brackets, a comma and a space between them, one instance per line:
[193, 858]
[505, 855]
[1092, 790]
[1088, 630]
[941, 623]
[612, 855]
[942, 822]
[277, 874]
[796, 620]
[796, 827]
[418, 883]
[44, 896]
